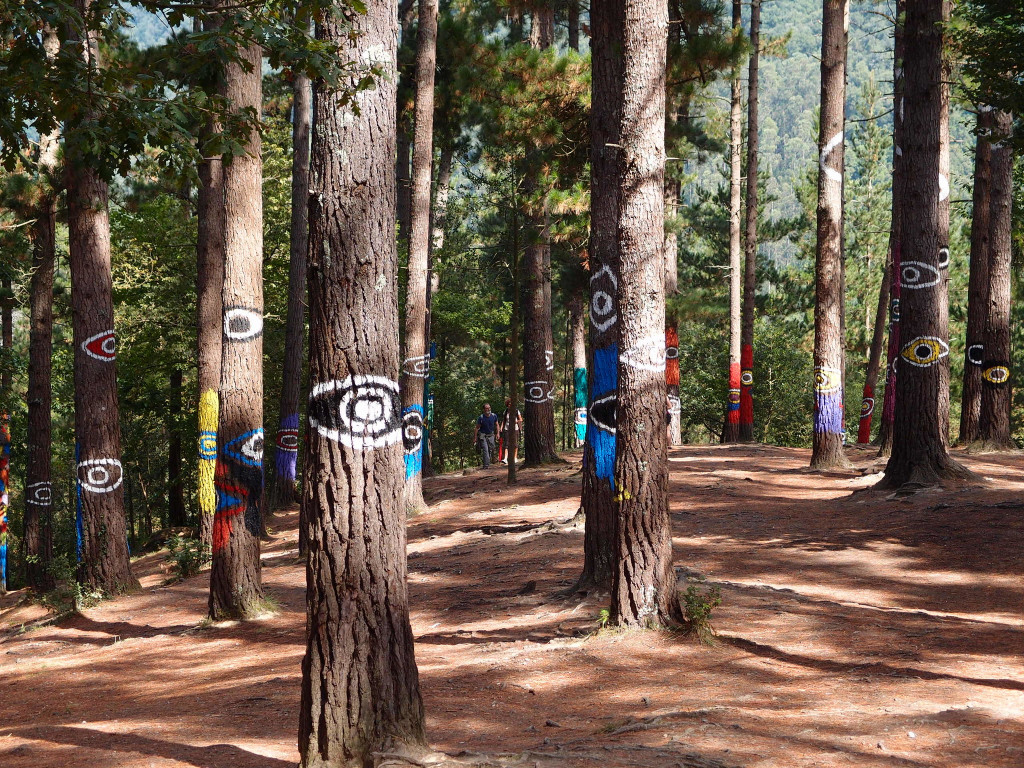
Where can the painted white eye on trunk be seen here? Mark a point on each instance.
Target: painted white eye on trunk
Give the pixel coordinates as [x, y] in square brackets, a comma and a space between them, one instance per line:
[288, 440]
[647, 354]
[827, 379]
[671, 353]
[673, 405]
[975, 354]
[603, 287]
[247, 448]
[242, 323]
[894, 310]
[39, 494]
[581, 417]
[996, 372]
[412, 430]
[549, 360]
[747, 378]
[360, 412]
[924, 351]
[867, 406]
[604, 412]
[417, 367]
[101, 346]
[535, 392]
[100, 475]
[917, 274]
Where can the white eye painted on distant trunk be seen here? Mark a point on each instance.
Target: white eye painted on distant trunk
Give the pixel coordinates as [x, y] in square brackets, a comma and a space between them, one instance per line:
[242, 323]
[536, 391]
[549, 360]
[418, 367]
[40, 494]
[943, 257]
[361, 411]
[943, 187]
[603, 287]
[976, 354]
[412, 431]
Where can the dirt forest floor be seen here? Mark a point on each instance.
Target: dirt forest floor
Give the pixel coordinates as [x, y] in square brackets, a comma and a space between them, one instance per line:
[856, 629]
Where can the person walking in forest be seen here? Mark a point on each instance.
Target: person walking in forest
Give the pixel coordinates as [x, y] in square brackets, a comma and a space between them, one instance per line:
[483, 437]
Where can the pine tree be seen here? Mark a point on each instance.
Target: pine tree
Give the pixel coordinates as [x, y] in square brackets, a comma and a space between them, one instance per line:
[236, 589]
[416, 364]
[827, 442]
[643, 582]
[731, 430]
[360, 687]
[750, 240]
[103, 546]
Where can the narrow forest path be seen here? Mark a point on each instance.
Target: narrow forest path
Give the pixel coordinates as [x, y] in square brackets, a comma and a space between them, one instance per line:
[856, 630]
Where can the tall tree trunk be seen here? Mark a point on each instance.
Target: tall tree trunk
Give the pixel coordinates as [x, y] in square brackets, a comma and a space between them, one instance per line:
[286, 444]
[573, 23]
[235, 582]
[38, 483]
[731, 429]
[750, 241]
[598, 493]
[360, 686]
[895, 234]
[643, 582]
[867, 403]
[672, 190]
[175, 492]
[416, 365]
[512, 421]
[7, 340]
[919, 446]
[994, 424]
[209, 316]
[578, 345]
[538, 346]
[827, 443]
[977, 291]
[104, 563]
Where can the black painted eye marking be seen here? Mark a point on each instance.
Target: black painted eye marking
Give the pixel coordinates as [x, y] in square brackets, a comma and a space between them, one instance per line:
[917, 274]
[671, 353]
[603, 287]
[242, 323]
[100, 475]
[747, 378]
[827, 379]
[418, 367]
[535, 392]
[603, 412]
[894, 310]
[924, 351]
[412, 430]
[39, 494]
[361, 411]
[247, 448]
[943, 257]
[996, 372]
[288, 440]
[975, 354]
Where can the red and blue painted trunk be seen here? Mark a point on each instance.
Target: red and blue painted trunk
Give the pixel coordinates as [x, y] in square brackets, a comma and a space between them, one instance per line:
[732, 415]
[5, 463]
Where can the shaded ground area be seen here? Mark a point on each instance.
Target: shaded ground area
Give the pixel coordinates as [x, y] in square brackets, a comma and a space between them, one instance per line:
[856, 629]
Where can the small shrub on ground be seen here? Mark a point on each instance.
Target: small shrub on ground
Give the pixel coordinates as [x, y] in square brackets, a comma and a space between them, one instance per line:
[697, 607]
[186, 555]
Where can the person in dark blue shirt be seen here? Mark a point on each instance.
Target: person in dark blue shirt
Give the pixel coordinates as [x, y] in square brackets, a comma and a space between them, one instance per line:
[483, 437]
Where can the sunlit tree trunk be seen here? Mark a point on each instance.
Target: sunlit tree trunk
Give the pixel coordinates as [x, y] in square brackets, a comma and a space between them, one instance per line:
[643, 582]
[360, 687]
[598, 494]
[994, 424]
[750, 240]
[236, 589]
[416, 365]
[919, 448]
[827, 442]
[731, 430]
[103, 549]
[867, 403]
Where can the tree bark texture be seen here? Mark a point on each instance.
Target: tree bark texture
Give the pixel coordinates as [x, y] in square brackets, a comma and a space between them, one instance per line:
[827, 441]
[236, 590]
[209, 322]
[578, 344]
[103, 547]
[360, 686]
[750, 241]
[416, 365]
[895, 235]
[542, 28]
[573, 23]
[977, 290]
[919, 446]
[286, 443]
[644, 583]
[731, 430]
[867, 402]
[38, 482]
[598, 493]
[7, 340]
[994, 424]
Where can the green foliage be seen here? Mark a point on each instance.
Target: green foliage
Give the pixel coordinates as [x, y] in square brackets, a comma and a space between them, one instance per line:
[698, 605]
[186, 555]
